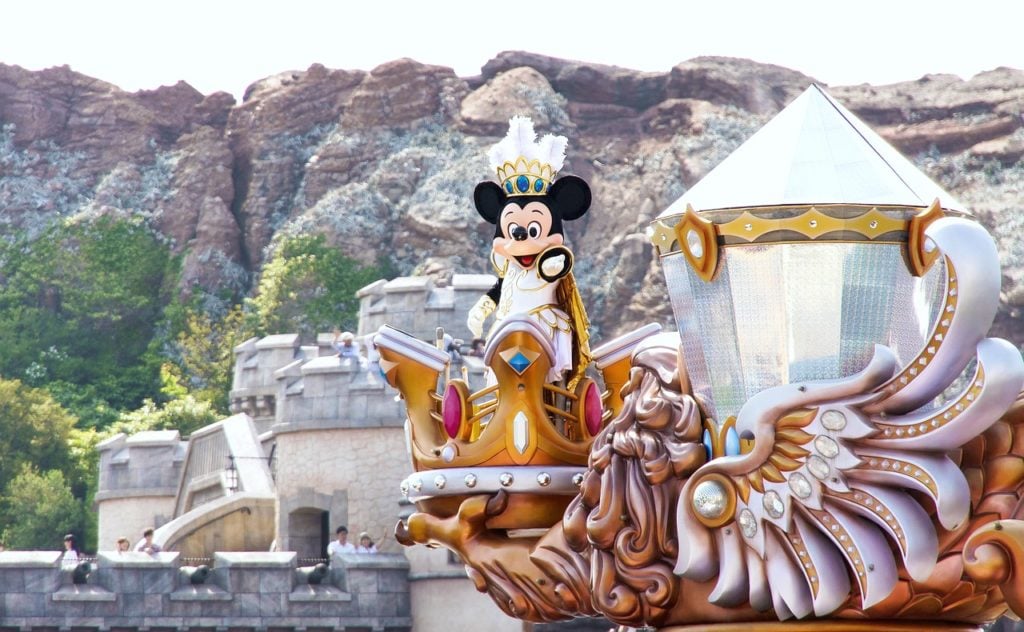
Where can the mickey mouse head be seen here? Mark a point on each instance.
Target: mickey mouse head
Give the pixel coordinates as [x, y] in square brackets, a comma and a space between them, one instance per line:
[525, 226]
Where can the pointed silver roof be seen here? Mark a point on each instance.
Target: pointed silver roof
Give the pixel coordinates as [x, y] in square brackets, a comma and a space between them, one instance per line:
[813, 152]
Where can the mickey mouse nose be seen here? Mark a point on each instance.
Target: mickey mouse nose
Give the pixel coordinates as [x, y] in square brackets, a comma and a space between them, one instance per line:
[519, 233]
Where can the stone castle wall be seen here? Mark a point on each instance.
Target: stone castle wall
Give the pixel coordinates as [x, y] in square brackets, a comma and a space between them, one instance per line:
[308, 407]
[138, 482]
[329, 431]
[356, 470]
[243, 591]
[416, 306]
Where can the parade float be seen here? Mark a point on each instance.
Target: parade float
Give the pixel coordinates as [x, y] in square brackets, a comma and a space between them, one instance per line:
[829, 441]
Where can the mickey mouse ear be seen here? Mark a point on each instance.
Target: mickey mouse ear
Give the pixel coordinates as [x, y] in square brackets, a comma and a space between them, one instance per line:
[571, 195]
[489, 200]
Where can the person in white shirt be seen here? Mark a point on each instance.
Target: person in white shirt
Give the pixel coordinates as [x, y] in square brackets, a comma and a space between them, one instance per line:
[366, 545]
[70, 557]
[341, 546]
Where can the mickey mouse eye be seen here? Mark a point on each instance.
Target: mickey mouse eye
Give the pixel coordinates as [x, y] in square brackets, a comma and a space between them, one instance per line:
[534, 230]
[512, 228]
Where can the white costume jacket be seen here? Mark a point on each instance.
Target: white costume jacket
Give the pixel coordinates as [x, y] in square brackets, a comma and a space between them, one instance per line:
[524, 291]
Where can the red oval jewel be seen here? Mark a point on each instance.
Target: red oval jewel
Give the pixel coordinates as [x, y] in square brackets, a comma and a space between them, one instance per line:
[451, 411]
[592, 410]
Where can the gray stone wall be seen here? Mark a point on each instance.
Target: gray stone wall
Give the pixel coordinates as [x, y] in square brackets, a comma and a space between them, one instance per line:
[244, 591]
[138, 482]
[296, 396]
[144, 464]
[254, 383]
[416, 306]
[286, 386]
[329, 392]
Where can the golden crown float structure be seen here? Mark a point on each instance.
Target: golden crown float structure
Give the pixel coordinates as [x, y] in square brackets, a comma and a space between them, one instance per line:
[829, 442]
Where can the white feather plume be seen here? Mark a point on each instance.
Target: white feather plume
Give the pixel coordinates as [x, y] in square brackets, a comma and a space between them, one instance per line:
[521, 140]
[551, 150]
[520, 132]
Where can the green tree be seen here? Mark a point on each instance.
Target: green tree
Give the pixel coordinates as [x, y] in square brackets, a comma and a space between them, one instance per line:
[40, 509]
[308, 287]
[79, 309]
[35, 430]
[39, 433]
[185, 414]
[205, 348]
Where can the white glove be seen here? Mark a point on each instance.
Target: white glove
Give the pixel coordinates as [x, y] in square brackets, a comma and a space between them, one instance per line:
[478, 314]
[553, 265]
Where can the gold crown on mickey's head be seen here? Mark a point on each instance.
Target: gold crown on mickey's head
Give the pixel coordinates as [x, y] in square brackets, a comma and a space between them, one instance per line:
[525, 177]
[525, 165]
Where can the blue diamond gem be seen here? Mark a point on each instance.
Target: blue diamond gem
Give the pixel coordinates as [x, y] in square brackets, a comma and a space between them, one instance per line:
[538, 186]
[519, 362]
[523, 184]
[508, 186]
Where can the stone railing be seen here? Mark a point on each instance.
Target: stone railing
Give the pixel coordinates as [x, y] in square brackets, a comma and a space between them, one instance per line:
[242, 591]
[226, 473]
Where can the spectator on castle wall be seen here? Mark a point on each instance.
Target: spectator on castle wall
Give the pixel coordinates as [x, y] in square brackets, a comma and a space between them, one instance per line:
[366, 545]
[148, 545]
[124, 545]
[340, 546]
[477, 350]
[69, 558]
[344, 344]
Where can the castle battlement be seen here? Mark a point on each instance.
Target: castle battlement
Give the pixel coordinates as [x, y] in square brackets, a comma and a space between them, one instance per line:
[418, 307]
[254, 386]
[306, 426]
[311, 444]
[144, 464]
[331, 392]
[320, 390]
[244, 591]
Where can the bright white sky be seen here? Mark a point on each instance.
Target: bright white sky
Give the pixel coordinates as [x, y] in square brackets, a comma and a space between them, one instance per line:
[226, 45]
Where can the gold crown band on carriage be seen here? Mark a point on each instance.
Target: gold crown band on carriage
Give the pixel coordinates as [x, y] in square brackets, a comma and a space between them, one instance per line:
[699, 236]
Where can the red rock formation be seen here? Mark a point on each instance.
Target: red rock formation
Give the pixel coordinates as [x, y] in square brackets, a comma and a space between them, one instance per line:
[384, 162]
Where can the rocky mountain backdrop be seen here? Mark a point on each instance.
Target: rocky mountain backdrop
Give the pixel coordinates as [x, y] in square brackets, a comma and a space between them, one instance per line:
[384, 162]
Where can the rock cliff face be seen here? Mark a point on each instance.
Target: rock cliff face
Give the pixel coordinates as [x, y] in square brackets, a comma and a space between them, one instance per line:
[384, 162]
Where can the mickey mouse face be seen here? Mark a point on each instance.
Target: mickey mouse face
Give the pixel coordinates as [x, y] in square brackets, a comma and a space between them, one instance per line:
[526, 225]
[525, 231]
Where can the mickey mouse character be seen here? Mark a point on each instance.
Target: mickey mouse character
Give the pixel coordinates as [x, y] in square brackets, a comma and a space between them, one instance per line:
[534, 267]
